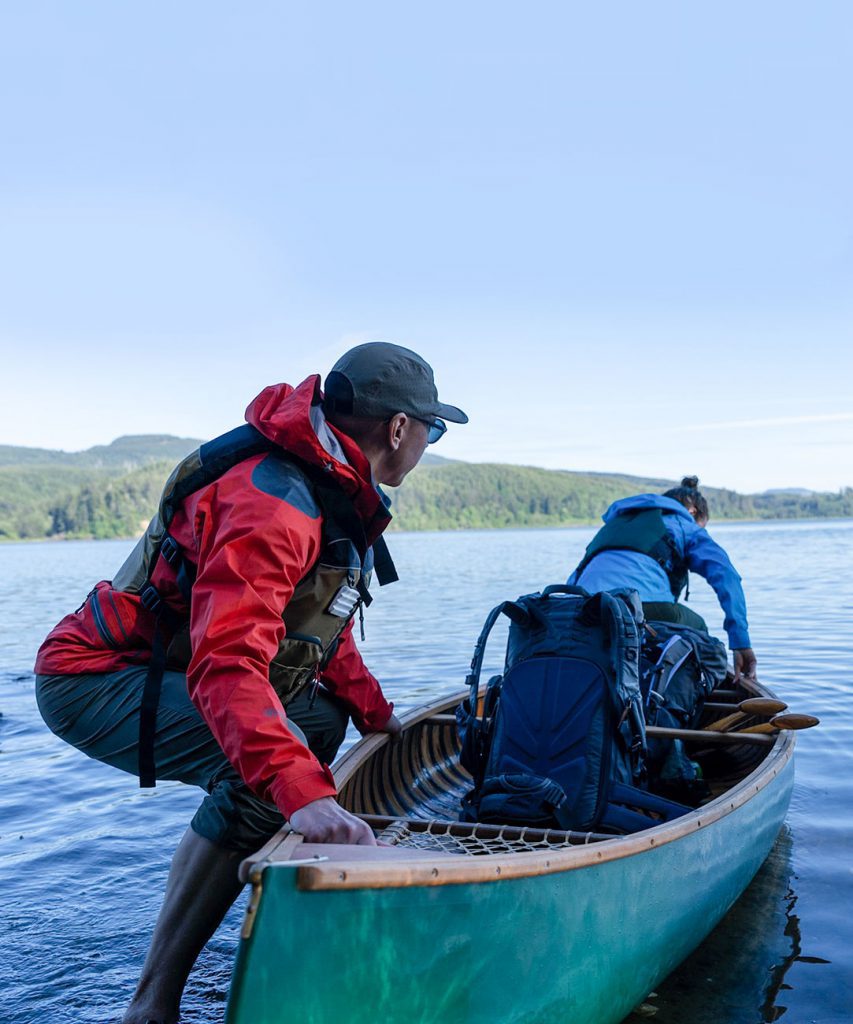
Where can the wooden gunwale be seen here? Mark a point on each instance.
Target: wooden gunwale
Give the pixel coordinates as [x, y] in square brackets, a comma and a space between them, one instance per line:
[341, 873]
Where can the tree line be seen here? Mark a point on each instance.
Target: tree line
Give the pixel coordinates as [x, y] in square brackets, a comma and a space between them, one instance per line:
[42, 504]
[69, 502]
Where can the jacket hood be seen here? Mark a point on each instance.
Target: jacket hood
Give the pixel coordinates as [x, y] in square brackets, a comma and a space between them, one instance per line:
[639, 501]
[283, 414]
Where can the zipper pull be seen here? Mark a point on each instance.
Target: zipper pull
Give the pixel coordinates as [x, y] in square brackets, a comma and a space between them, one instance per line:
[315, 686]
[361, 618]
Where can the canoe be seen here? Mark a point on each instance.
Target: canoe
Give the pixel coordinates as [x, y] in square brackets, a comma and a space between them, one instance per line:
[469, 924]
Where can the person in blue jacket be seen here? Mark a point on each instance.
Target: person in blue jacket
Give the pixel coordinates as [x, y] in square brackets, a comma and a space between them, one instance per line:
[650, 542]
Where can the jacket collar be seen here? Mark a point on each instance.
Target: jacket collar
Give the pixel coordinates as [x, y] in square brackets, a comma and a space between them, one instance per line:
[284, 415]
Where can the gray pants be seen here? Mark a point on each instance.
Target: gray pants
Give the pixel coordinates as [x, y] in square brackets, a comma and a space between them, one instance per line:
[99, 714]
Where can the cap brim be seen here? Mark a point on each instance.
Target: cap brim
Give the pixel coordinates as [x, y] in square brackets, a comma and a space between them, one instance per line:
[451, 413]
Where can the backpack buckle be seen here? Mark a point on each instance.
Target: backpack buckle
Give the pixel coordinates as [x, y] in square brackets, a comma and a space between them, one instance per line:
[169, 550]
[150, 599]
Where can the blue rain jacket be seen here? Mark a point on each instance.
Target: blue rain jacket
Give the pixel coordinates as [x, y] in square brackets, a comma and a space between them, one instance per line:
[620, 568]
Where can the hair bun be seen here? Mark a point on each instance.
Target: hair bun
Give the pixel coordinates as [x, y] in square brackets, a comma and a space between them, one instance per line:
[690, 481]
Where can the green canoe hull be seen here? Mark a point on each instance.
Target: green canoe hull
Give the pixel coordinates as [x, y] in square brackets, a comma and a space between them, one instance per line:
[584, 945]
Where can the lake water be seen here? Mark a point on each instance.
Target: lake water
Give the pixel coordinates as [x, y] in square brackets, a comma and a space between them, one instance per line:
[84, 853]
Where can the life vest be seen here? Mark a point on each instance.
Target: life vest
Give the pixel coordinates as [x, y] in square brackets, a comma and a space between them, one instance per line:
[321, 607]
[641, 530]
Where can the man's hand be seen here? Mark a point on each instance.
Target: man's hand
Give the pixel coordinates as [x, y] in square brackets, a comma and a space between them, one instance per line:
[392, 727]
[745, 663]
[325, 821]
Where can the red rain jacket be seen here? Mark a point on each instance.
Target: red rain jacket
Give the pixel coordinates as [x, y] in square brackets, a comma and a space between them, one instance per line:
[250, 549]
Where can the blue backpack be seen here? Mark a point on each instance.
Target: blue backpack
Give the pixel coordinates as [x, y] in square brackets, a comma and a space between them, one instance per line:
[558, 740]
[679, 667]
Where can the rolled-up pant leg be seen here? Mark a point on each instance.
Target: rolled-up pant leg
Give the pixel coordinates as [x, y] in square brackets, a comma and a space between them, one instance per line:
[99, 714]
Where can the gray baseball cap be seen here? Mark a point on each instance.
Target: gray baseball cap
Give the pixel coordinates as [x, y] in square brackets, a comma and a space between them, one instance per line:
[380, 379]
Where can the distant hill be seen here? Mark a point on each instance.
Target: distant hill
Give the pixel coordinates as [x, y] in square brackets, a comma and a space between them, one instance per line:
[468, 495]
[125, 453]
[428, 459]
[471, 495]
[112, 491]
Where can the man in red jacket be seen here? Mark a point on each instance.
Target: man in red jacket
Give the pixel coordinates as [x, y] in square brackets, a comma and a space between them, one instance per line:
[222, 654]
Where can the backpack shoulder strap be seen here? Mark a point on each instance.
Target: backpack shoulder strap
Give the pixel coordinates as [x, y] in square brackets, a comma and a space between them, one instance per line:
[620, 621]
[514, 611]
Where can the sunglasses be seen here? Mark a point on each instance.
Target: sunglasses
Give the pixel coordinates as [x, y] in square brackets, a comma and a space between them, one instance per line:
[437, 429]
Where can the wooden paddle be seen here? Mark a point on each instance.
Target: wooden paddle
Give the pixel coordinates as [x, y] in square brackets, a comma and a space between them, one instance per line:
[703, 736]
[708, 735]
[778, 722]
[751, 706]
[764, 706]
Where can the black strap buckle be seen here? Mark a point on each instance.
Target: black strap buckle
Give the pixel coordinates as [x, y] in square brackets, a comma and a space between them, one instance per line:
[150, 599]
[169, 550]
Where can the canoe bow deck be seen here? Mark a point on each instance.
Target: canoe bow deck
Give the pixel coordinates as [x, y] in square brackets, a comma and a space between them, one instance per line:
[487, 923]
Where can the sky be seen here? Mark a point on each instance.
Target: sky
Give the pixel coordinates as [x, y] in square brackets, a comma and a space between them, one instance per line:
[621, 233]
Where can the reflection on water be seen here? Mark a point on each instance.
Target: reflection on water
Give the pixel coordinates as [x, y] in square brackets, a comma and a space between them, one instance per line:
[747, 960]
[772, 1008]
[743, 963]
[84, 853]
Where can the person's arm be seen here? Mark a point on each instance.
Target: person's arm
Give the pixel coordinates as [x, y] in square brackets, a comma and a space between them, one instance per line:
[252, 554]
[349, 679]
[706, 557]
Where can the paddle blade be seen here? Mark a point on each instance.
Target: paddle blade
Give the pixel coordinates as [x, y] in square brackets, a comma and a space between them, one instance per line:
[762, 706]
[793, 721]
[783, 722]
